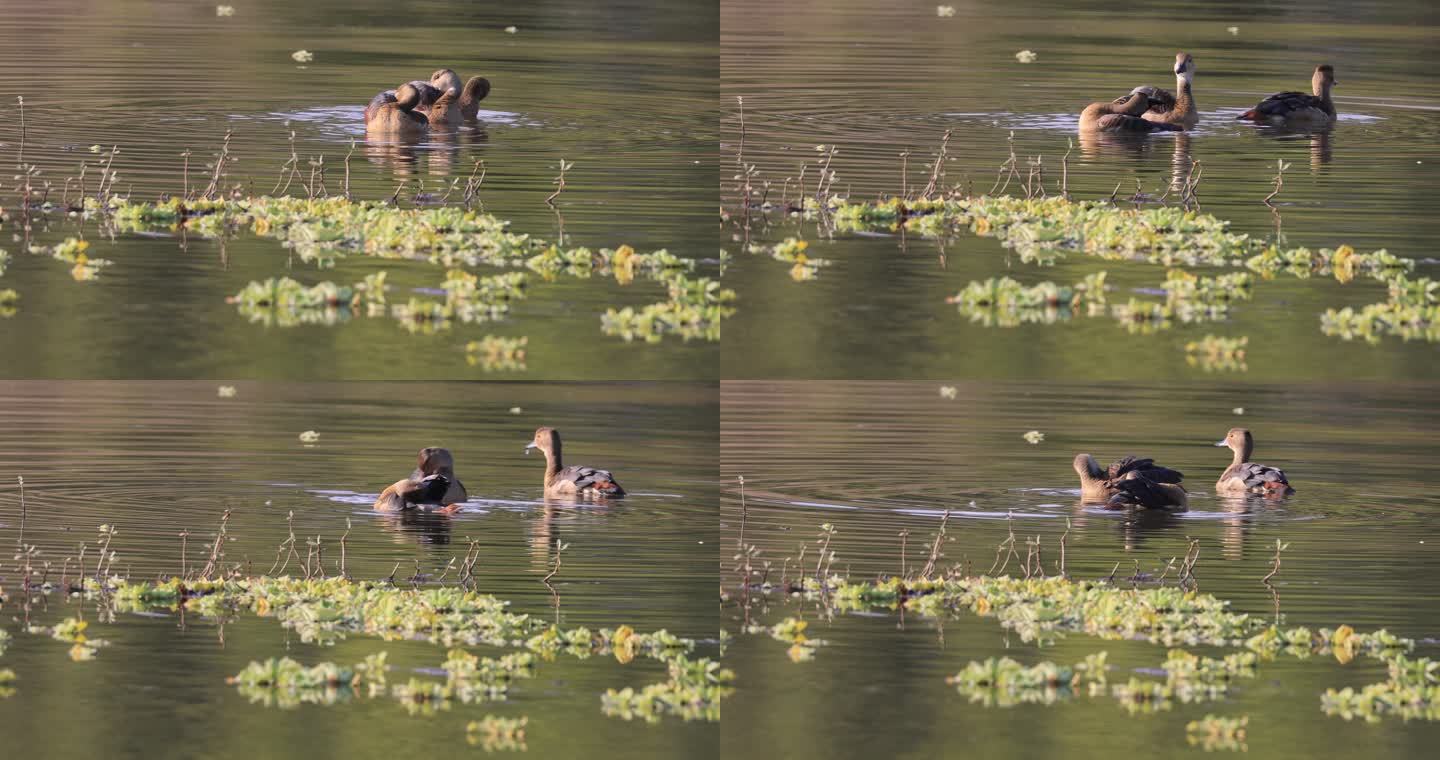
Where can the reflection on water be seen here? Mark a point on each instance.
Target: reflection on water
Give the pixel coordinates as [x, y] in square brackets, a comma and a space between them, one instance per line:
[158, 459]
[884, 462]
[873, 86]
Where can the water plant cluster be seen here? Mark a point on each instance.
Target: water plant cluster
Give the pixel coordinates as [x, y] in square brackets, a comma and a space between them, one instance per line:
[1214, 353]
[1004, 682]
[1412, 692]
[495, 733]
[321, 230]
[1214, 733]
[1040, 230]
[323, 610]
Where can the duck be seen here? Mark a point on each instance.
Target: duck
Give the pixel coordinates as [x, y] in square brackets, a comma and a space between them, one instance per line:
[1244, 476]
[432, 484]
[575, 480]
[1137, 490]
[1122, 116]
[1164, 106]
[1101, 485]
[397, 116]
[459, 104]
[1296, 109]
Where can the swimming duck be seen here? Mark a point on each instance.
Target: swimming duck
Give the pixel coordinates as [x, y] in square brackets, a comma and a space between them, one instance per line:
[1100, 485]
[1296, 109]
[1137, 490]
[1163, 106]
[432, 484]
[575, 480]
[1123, 116]
[396, 116]
[451, 108]
[1244, 476]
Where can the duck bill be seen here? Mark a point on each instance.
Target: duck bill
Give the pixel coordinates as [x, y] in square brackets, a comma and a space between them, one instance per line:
[530, 446]
[1222, 443]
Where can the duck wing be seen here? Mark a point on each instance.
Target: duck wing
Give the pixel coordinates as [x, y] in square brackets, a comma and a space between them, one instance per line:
[1145, 468]
[591, 478]
[1282, 104]
[1161, 100]
[376, 102]
[1140, 491]
[1260, 476]
[428, 490]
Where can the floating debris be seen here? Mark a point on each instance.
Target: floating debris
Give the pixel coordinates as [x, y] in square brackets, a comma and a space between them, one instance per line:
[1034, 437]
[302, 56]
[511, 29]
[227, 391]
[1026, 56]
[309, 436]
[1233, 30]
[224, 10]
[944, 11]
[948, 392]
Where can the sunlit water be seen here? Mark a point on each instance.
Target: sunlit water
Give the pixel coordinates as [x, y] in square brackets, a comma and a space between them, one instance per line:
[625, 93]
[155, 459]
[875, 459]
[877, 82]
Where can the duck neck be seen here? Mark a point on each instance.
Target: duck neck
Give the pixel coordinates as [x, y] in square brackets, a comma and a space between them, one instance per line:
[1242, 455]
[1184, 100]
[553, 463]
[1322, 91]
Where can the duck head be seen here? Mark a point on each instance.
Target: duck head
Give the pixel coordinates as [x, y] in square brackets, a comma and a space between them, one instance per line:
[434, 460]
[1184, 68]
[446, 80]
[407, 97]
[1240, 441]
[1323, 78]
[1087, 467]
[546, 439]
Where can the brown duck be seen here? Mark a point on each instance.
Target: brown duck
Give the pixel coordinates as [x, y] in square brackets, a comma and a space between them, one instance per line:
[1102, 485]
[395, 115]
[1296, 109]
[1175, 108]
[575, 480]
[1244, 476]
[432, 486]
[1122, 116]
[456, 102]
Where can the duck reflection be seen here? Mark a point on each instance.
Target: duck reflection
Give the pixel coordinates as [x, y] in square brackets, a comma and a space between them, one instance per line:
[419, 526]
[1096, 145]
[441, 150]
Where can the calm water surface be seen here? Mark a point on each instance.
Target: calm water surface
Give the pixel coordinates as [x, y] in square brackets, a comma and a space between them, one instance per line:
[878, 81]
[152, 459]
[624, 91]
[877, 458]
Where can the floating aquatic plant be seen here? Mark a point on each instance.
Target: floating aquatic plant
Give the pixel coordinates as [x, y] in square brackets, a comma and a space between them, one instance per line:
[792, 251]
[286, 683]
[693, 692]
[72, 250]
[1005, 302]
[72, 631]
[1217, 354]
[8, 299]
[497, 734]
[7, 681]
[1214, 733]
[1003, 682]
[694, 311]
[494, 353]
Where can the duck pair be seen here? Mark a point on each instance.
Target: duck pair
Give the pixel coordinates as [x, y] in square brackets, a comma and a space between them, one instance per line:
[434, 487]
[416, 107]
[1152, 109]
[1135, 482]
